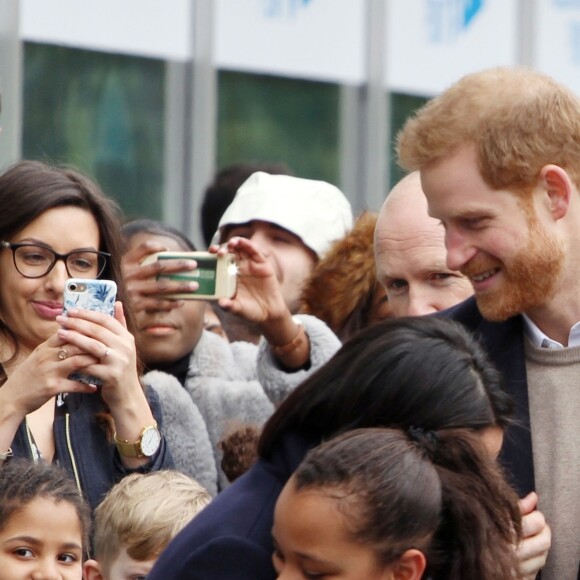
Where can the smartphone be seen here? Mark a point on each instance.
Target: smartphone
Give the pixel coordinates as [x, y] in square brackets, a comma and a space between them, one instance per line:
[216, 275]
[95, 295]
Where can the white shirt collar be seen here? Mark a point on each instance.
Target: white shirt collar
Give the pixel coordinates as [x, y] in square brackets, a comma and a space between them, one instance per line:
[541, 340]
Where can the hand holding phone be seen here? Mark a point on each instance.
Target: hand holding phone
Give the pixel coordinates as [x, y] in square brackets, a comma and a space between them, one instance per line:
[94, 295]
[215, 274]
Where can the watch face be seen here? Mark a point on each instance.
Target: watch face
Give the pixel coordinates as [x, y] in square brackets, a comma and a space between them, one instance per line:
[150, 441]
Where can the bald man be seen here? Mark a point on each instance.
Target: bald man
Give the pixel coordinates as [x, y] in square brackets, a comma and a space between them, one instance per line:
[410, 254]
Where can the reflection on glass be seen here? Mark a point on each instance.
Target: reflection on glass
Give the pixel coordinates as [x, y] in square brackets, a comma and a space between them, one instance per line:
[271, 119]
[102, 113]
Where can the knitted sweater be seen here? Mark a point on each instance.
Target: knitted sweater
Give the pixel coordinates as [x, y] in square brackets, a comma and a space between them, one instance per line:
[554, 395]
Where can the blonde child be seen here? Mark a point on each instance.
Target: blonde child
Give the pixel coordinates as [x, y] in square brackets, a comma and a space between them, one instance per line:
[44, 522]
[137, 519]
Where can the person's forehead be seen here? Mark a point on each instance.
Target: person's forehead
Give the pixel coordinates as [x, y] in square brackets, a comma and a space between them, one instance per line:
[404, 247]
[172, 243]
[406, 215]
[404, 232]
[266, 226]
[454, 184]
[418, 263]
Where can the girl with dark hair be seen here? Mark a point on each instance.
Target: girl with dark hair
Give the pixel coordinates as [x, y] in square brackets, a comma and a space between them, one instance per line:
[383, 504]
[57, 224]
[403, 372]
[44, 523]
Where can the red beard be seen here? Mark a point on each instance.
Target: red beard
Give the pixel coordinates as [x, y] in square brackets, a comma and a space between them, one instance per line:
[530, 278]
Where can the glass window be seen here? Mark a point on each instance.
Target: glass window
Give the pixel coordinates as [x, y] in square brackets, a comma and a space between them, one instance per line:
[102, 113]
[402, 106]
[272, 119]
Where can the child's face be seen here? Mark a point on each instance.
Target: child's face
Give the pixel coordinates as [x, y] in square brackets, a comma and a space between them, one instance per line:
[43, 540]
[311, 540]
[126, 568]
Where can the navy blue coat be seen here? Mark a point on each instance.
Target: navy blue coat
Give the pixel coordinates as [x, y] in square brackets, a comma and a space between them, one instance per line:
[504, 343]
[82, 447]
[231, 538]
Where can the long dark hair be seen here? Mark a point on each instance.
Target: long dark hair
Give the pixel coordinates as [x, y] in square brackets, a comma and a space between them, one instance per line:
[437, 492]
[29, 188]
[397, 373]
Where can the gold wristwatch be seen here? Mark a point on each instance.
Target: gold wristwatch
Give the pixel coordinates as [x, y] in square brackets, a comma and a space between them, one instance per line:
[146, 446]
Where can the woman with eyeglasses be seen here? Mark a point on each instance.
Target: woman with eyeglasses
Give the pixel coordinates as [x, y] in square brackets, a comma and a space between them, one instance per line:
[56, 224]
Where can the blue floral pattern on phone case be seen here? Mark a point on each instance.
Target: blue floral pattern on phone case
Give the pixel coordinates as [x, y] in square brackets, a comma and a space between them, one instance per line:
[98, 296]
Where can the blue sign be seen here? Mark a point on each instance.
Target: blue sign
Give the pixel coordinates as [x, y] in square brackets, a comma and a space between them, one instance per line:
[284, 8]
[448, 19]
[567, 3]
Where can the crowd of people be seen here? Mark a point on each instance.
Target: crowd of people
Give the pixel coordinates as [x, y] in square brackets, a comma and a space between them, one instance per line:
[390, 397]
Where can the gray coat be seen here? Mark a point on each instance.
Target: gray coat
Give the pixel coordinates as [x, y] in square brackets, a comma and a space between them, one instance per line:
[231, 384]
[184, 430]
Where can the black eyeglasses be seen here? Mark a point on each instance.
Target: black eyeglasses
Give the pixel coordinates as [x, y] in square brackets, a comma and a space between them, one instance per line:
[34, 261]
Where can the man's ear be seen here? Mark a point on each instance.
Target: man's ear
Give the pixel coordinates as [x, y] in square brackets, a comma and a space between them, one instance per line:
[558, 186]
[92, 570]
[410, 566]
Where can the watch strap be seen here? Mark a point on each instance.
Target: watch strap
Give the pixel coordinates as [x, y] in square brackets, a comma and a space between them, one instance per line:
[128, 449]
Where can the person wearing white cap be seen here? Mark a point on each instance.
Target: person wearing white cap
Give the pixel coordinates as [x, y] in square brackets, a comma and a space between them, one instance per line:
[240, 383]
[293, 221]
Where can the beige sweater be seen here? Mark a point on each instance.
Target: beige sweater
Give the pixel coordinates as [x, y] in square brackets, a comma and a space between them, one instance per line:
[554, 395]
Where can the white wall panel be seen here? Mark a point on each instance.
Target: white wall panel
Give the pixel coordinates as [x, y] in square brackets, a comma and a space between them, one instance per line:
[151, 28]
[558, 40]
[313, 39]
[432, 43]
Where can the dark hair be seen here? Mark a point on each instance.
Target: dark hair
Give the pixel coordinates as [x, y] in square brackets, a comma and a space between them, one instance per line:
[396, 373]
[222, 190]
[30, 188]
[238, 446]
[438, 493]
[155, 228]
[22, 481]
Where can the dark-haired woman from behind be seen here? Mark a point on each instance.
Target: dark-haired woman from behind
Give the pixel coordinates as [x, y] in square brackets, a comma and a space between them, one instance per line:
[405, 372]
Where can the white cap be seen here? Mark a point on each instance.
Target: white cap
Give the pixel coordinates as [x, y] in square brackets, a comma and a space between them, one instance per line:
[315, 211]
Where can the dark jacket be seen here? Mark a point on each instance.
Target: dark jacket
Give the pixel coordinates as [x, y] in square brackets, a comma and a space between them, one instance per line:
[83, 450]
[231, 539]
[504, 343]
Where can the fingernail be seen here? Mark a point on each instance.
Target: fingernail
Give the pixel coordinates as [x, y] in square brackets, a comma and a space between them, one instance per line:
[193, 286]
[62, 332]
